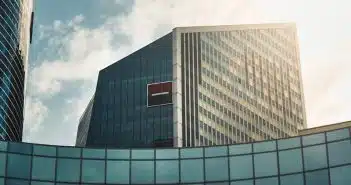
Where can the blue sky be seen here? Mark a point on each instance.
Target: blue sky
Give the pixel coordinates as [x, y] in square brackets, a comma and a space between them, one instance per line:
[73, 40]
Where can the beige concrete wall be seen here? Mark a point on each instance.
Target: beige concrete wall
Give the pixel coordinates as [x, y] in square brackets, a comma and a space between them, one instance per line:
[325, 128]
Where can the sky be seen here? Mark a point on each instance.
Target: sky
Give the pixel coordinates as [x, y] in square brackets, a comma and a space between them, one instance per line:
[73, 40]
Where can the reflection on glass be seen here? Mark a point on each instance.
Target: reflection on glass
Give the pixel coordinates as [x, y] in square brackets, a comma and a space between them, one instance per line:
[44, 150]
[216, 151]
[41, 183]
[313, 139]
[289, 143]
[339, 152]
[93, 171]
[264, 146]
[142, 172]
[290, 161]
[315, 157]
[118, 154]
[43, 168]
[14, 162]
[93, 153]
[192, 170]
[338, 134]
[142, 154]
[167, 171]
[263, 160]
[340, 175]
[317, 177]
[3, 146]
[2, 164]
[191, 152]
[267, 181]
[167, 153]
[68, 170]
[16, 182]
[216, 169]
[245, 182]
[294, 179]
[117, 172]
[240, 149]
[22, 148]
[69, 152]
[241, 167]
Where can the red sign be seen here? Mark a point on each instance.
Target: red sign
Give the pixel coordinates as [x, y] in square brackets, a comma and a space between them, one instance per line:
[159, 94]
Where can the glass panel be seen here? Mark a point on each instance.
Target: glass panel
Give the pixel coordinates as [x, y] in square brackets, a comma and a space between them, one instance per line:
[167, 171]
[262, 161]
[338, 134]
[69, 152]
[317, 177]
[2, 164]
[192, 170]
[241, 167]
[267, 181]
[16, 160]
[41, 183]
[16, 182]
[191, 152]
[142, 154]
[93, 171]
[68, 170]
[264, 146]
[340, 175]
[315, 157]
[93, 153]
[289, 143]
[142, 171]
[216, 151]
[2, 181]
[240, 149]
[295, 179]
[339, 152]
[246, 182]
[118, 154]
[44, 150]
[20, 148]
[218, 183]
[43, 168]
[212, 166]
[167, 154]
[3, 146]
[117, 172]
[290, 161]
[313, 139]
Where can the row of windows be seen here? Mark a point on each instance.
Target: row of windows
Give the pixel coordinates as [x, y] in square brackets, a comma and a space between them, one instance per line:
[311, 160]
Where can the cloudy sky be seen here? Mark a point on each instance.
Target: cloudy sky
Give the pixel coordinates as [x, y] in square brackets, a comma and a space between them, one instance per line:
[73, 40]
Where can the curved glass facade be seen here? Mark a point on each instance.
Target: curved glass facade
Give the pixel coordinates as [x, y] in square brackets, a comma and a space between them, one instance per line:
[15, 25]
[318, 159]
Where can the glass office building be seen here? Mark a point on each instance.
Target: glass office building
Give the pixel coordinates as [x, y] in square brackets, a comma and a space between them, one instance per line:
[318, 159]
[16, 19]
[201, 86]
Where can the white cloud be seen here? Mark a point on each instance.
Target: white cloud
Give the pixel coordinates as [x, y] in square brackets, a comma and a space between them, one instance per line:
[35, 113]
[324, 43]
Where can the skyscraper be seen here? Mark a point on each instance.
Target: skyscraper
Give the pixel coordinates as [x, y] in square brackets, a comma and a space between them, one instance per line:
[204, 85]
[16, 20]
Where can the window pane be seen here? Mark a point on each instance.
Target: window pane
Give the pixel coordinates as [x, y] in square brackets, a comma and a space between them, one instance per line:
[246, 182]
[142, 172]
[262, 161]
[167, 153]
[313, 139]
[241, 167]
[240, 149]
[142, 154]
[317, 177]
[117, 172]
[264, 146]
[16, 182]
[20, 148]
[289, 143]
[68, 170]
[267, 181]
[216, 151]
[118, 154]
[69, 152]
[93, 153]
[212, 166]
[290, 161]
[315, 157]
[2, 181]
[295, 179]
[338, 134]
[93, 171]
[339, 152]
[2, 164]
[41, 183]
[167, 171]
[44, 150]
[192, 170]
[340, 175]
[191, 152]
[3, 146]
[16, 160]
[43, 168]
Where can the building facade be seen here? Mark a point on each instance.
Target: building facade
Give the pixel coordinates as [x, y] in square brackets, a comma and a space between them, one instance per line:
[198, 86]
[16, 20]
[318, 159]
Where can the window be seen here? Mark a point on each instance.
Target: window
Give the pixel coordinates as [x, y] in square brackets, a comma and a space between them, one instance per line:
[167, 171]
[317, 177]
[69, 152]
[340, 175]
[93, 153]
[313, 139]
[216, 151]
[117, 172]
[22, 148]
[338, 134]
[68, 170]
[191, 170]
[263, 160]
[315, 157]
[339, 152]
[2, 164]
[267, 181]
[241, 167]
[240, 149]
[211, 169]
[142, 172]
[264, 146]
[290, 161]
[44, 150]
[295, 179]
[16, 160]
[289, 143]
[142, 154]
[167, 154]
[118, 154]
[43, 168]
[93, 171]
[245, 182]
[191, 152]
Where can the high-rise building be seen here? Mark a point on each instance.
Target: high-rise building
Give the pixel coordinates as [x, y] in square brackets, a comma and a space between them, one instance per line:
[206, 85]
[16, 20]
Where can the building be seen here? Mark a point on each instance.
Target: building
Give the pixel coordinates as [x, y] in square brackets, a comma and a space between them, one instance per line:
[16, 20]
[325, 128]
[318, 159]
[197, 86]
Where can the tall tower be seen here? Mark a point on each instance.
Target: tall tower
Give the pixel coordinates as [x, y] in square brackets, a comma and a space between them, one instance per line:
[16, 20]
[207, 85]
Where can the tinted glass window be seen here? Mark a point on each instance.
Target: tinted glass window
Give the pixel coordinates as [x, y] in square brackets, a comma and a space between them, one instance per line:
[93, 171]
[118, 154]
[142, 154]
[69, 152]
[340, 175]
[41, 183]
[93, 153]
[262, 161]
[14, 162]
[142, 172]
[264, 146]
[245, 182]
[2, 164]
[68, 170]
[339, 152]
[338, 134]
[295, 179]
[117, 172]
[267, 181]
[167, 171]
[167, 154]
[289, 143]
[313, 139]
[240, 149]
[290, 161]
[16, 182]
[191, 152]
[241, 167]
[212, 166]
[3, 146]
[317, 177]
[192, 170]
[20, 148]
[315, 157]
[216, 151]
[44, 150]
[43, 168]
